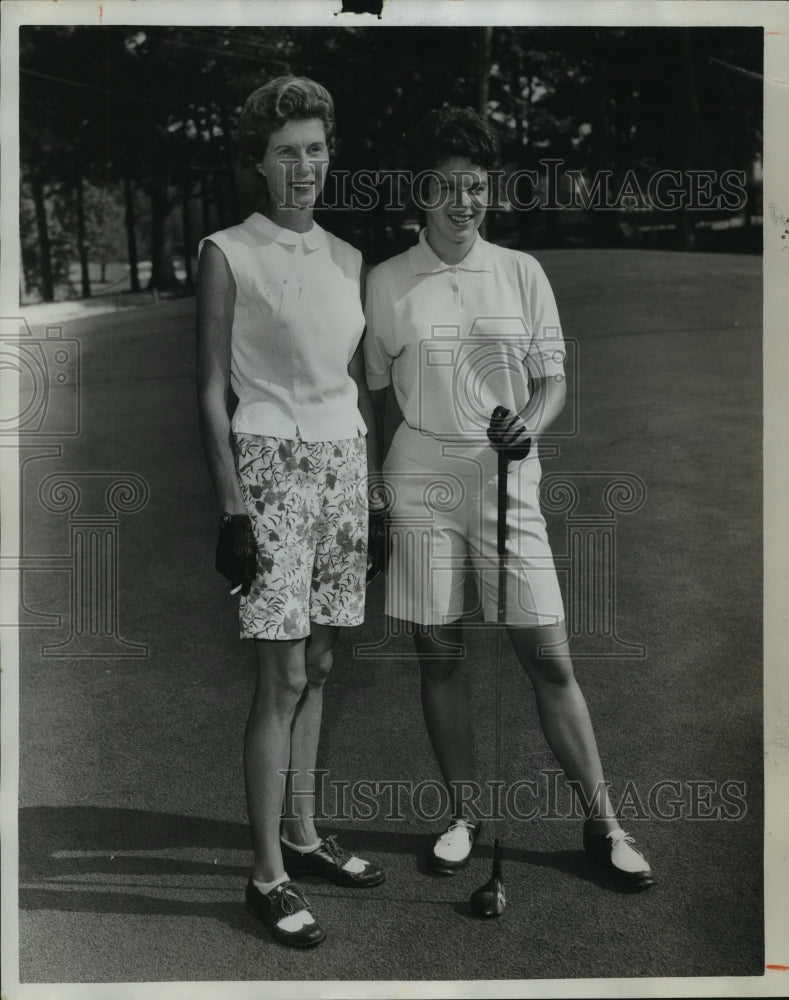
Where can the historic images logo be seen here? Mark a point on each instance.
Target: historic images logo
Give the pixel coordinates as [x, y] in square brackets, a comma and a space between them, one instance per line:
[42, 411]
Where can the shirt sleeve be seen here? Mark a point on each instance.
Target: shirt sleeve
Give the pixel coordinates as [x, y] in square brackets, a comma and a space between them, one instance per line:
[377, 357]
[546, 352]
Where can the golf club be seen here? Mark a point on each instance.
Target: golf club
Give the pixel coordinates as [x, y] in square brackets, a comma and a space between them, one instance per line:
[490, 899]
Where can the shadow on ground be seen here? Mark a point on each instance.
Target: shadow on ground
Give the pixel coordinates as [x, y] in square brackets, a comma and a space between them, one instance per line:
[90, 857]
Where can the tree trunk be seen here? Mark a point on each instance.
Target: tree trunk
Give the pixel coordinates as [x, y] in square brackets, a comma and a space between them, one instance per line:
[44, 246]
[742, 161]
[524, 189]
[219, 198]
[162, 270]
[82, 247]
[235, 201]
[186, 223]
[485, 58]
[378, 231]
[603, 221]
[131, 234]
[690, 125]
[205, 201]
[485, 51]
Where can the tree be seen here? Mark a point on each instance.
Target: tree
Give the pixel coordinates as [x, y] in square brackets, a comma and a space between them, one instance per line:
[151, 112]
[43, 145]
[611, 100]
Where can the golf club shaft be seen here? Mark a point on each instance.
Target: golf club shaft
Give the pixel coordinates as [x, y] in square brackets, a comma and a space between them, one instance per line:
[489, 900]
[501, 548]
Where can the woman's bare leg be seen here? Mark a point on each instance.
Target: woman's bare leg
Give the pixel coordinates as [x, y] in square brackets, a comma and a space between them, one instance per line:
[298, 824]
[445, 705]
[564, 715]
[281, 682]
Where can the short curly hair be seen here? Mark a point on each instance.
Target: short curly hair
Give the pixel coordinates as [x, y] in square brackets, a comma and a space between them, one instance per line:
[281, 100]
[450, 131]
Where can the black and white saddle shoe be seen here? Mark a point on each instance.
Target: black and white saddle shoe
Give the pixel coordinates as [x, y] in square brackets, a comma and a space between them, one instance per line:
[332, 862]
[452, 851]
[624, 862]
[285, 913]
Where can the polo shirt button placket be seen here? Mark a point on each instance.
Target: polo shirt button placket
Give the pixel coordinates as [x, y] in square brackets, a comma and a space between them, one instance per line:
[455, 285]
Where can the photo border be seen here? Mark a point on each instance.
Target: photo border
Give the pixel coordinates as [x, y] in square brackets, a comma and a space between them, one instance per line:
[774, 18]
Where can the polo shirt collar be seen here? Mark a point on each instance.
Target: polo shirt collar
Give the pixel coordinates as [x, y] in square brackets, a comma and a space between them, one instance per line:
[311, 240]
[424, 260]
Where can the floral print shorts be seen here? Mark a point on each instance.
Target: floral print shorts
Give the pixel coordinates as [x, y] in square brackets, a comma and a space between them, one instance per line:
[308, 504]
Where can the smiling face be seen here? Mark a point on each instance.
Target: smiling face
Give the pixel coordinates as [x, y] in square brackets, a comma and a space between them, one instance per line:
[455, 207]
[294, 168]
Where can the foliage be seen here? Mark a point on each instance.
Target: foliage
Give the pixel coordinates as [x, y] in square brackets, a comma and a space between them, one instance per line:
[157, 105]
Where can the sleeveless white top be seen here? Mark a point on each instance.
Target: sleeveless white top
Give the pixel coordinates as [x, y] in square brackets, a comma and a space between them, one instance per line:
[297, 322]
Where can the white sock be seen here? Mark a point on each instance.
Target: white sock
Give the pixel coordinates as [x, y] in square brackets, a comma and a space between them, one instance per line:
[266, 887]
[299, 848]
[355, 865]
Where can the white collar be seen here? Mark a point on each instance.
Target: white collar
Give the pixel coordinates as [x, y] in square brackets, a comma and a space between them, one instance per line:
[424, 259]
[311, 239]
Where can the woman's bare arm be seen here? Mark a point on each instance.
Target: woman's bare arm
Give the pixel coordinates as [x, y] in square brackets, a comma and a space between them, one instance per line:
[546, 403]
[216, 293]
[356, 371]
[510, 431]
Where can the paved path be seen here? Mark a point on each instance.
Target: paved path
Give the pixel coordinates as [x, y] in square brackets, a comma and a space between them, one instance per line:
[133, 843]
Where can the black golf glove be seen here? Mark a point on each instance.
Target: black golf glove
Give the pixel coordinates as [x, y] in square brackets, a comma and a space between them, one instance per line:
[508, 435]
[237, 551]
[379, 542]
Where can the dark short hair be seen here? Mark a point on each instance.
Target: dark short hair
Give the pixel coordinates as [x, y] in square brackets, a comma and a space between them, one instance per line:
[446, 132]
[282, 100]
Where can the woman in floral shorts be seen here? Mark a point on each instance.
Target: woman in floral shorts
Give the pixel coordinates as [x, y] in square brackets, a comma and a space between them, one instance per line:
[310, 521]
[279, 323]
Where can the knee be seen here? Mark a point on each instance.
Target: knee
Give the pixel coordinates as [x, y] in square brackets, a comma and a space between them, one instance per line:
[544, 653]
[281, 691]
[291, 685]
[318, 668]
[552, 671]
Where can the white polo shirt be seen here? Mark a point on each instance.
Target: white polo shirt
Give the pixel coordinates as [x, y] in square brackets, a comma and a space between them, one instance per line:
[297, 322]
[458, 340]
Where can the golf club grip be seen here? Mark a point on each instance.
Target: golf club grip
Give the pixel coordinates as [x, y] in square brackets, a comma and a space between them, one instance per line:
[501, 519]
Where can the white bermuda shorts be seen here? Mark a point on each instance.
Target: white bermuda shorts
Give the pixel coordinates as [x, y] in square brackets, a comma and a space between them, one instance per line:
[444, 507]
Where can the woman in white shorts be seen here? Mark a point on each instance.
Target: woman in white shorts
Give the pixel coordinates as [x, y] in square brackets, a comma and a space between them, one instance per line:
[459, 326]
[279, 322]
